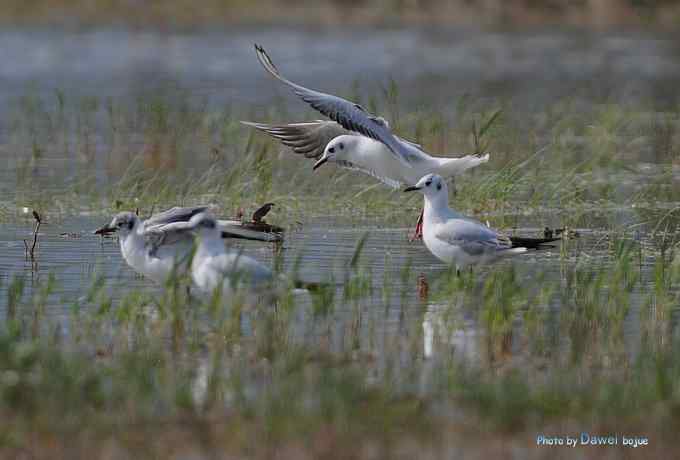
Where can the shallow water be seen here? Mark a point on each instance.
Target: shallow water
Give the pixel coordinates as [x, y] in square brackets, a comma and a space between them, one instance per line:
[321, 250]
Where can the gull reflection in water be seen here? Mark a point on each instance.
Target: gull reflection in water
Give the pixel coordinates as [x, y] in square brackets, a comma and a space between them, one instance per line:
[447, 331]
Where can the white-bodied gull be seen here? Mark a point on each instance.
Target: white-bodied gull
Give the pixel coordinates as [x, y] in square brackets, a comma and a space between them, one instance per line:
[214, 267]
[327, 141]
[459, 240]
[358, 140]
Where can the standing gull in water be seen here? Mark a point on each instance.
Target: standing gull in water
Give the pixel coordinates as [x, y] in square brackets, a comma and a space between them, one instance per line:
[158, 246]
[459, 240]
[358, 140]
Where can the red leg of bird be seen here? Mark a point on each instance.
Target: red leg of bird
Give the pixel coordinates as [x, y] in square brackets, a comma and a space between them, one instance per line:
[418, 234]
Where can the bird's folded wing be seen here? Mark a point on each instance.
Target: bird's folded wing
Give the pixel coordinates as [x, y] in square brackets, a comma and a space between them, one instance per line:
[473, 237]
[308, 139]
[348, 114]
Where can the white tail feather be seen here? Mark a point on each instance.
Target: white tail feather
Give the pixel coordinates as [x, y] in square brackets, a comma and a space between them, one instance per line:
[453, 166]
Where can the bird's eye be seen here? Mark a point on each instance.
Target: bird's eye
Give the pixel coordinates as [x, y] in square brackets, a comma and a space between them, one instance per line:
[331, 150]
[428, 183]
[120, 224]
[342, 146]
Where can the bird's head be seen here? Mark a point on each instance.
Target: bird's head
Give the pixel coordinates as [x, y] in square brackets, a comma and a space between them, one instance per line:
[204, 224]
[123, 223]
[337, 149]
[431, 185]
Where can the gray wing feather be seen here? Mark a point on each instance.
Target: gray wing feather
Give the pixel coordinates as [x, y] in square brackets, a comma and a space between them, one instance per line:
[176, 214]
[411, 143]
[308, 139]
[167, 235]
[473, 237]
[348, 114]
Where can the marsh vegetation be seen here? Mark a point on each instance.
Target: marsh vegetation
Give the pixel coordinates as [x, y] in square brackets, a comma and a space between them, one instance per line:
[400, 357]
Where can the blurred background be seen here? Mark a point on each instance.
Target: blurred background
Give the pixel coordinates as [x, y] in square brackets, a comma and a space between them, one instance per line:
[88, 63]
[225, 13]
[436, 51]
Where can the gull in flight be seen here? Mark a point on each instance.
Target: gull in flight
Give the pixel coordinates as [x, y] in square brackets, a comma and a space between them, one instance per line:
[358, 140]
[459, 240]
[159, 246]
[214, 267]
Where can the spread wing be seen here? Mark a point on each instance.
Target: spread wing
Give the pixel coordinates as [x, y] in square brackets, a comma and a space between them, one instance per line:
[349, 115]
[176, 214]
[308, 139]
[167, 237]
[411, 143]
[472, 237]
[165, 227]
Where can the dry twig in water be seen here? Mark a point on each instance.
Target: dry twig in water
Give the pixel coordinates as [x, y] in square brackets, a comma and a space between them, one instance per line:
[31, 251]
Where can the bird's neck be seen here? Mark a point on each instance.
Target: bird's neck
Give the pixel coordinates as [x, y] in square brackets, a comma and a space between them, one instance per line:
[132, 246]
[437, 208]
[209, 245]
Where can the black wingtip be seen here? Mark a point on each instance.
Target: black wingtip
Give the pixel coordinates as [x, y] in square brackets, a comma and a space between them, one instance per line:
[532, 243]
[266, 61]
[259, 51]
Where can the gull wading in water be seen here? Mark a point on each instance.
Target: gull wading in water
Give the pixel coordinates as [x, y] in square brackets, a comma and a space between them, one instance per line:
[358, 140]
[214, 267]
[459, 240]
[159, 246]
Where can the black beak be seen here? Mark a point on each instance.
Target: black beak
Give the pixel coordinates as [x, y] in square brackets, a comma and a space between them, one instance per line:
[105, 230]
[412, 188]
[319, 163]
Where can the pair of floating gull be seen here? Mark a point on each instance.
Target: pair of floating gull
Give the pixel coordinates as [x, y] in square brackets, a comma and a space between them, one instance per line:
[162, 245]
[357, 140]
